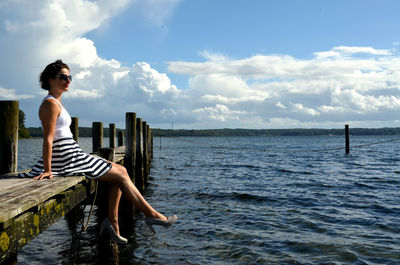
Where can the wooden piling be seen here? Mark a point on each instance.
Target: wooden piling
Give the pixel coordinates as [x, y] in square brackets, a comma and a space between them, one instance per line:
[9, 115]
[75, 128]
[151, 143]
[97, 135]
[148, 149]
[149, 139]
[130, 147]
[346, 128]
[139, 181]
[145, 152]
[121, 138]
[112, 135]
[107, 153]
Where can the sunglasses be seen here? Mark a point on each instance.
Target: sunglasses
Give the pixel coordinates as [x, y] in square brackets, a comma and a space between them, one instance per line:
[65, 77]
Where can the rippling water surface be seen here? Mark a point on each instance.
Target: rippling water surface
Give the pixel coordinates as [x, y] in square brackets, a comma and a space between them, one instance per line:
[249, 200]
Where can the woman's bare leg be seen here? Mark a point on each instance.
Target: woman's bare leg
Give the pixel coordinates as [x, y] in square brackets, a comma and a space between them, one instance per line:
[119, 176]
[114, 196]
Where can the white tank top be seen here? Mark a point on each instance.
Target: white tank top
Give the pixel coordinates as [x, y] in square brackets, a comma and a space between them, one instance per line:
[63, 122]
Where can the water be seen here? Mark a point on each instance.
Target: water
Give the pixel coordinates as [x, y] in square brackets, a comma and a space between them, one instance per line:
[250, 200]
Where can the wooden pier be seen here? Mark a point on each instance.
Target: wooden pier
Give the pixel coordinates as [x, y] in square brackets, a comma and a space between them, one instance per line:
[28, 207]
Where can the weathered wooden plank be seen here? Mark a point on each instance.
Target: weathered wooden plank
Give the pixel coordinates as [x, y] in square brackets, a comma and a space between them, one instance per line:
[119, 154]
[6, 184]
[45, 190]
[16, 189]
[120, 149]
[22, 229]
[29, 195]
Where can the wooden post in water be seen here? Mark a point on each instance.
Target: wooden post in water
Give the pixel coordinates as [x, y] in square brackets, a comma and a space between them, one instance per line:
[130, 158]
[148, 150]
[121, 138]
[97, 135]
[151, 144]
[139, 155]
[145, 152]
[75, 128]
[346, 129]
[103, 188]
[112, 135]
[130, 148]
[9, 117]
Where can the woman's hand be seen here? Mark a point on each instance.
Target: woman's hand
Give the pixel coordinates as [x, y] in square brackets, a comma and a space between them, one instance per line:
[44, 175]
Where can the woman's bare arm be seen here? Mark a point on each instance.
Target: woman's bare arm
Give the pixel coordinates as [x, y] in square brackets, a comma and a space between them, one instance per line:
[48, 113]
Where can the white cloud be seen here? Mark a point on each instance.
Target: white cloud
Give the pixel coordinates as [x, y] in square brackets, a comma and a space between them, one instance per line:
[280, 105]
[151, 81]
[277, 122]
[211, 56]
[227, 100]
[338, 85]
[83, 74]
[346, 51]
[219, 112]
[230, 87]
[10, 94]
[359, 84]
[368, 50]
[301, 109]
[83, 94]
[331, 109]
[38, 32]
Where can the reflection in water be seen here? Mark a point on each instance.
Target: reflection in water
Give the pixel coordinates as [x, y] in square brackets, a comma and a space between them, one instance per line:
[87, 247]
[108, 252]
[73, 217]
[103, 250]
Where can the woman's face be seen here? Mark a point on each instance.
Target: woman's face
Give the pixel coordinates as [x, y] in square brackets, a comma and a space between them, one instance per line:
[61, 81]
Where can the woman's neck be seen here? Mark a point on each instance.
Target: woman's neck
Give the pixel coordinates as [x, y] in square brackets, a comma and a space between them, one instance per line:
[55, 95]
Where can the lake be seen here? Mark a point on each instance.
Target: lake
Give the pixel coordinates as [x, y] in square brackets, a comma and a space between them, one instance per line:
[249, 200]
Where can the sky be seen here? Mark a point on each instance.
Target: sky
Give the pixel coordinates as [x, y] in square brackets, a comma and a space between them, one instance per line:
[209, 64]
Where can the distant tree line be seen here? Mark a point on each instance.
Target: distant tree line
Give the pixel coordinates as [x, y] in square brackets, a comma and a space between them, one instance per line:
[22, 131]
[87, 132]
[83, 131]
[276, 132]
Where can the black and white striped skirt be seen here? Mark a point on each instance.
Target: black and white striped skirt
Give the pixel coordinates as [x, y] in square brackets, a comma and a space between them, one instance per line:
[68, 159]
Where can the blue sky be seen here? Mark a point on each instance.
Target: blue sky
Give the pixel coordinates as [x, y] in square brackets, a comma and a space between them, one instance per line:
[244, 28]
[209, 64]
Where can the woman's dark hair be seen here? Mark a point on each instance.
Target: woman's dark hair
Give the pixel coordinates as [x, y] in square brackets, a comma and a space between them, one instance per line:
[50, 72]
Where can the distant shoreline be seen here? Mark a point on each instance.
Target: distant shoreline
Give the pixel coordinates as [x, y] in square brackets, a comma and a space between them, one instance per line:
[276, 132]
[87, 132]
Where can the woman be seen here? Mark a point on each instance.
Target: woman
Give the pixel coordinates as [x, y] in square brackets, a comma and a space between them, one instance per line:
[63, 157]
